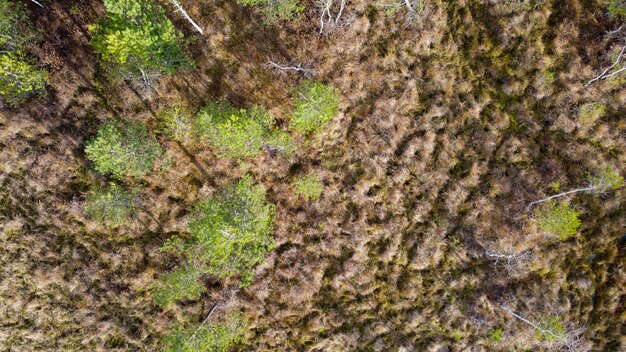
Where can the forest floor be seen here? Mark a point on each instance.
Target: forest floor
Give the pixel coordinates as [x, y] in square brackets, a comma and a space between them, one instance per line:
[450, 123]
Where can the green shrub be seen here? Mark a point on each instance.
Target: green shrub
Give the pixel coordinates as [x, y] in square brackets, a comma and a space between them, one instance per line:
[233, 232]
[617, 8]
[315, 104]
[240, 133]
[181, 283]
[210, 337]
[138, 39]
[175, 122]
[274, 10]
[558, 219]
[495, 334]
[19, 80]
[110, 204]
[309, 187]
[591, 112]
[123, 149]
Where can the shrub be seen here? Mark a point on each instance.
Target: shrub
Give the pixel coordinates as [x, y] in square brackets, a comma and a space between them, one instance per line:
[175, 122]
[232, 232]
[138, 39]
[617, 8]
[309, 187]
[495, 334]
[209, 337]
[110, 204]
[181, 283]
[239, 133]
[19, 80]
[558, 219]
[123, 149]
[274, 10]
[316, 104]
[589, 113]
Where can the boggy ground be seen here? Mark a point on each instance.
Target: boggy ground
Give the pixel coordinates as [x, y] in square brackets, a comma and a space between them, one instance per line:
[449, 124]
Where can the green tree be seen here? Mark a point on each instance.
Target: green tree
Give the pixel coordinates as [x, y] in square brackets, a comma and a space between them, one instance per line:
[275, 10]
[617, 8]
[110, 204]
[233, 232]
[558, 219]
[209, 337]
[15, 28]
[139, 40]
[19, 80]
[181, 283]
[309, 186]
[316, 104]
[175, 122]
[123, 149]
[240, 133]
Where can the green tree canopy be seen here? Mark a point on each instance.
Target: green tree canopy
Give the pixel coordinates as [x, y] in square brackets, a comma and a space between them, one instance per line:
[240, 133]
[19, 79]
[123, 149]
[138, 39]
[233, 232]
[558, 219]
[316, 104]
[110, 204]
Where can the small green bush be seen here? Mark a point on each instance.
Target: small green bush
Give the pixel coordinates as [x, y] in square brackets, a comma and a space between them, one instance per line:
[233, 232]
[309, 187]
[617, 8]
[110, 204]
[210, 337]
[591, 112]
[181, 283]
[138, 39]
[20, 80]
[558, 219]
[176, 123]
[123, 149]
[316, 104]
[495, 334]
[274, 10]
[240, 133]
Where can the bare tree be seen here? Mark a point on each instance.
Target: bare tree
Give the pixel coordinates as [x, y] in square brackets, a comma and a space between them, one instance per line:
[605, 180]
[286, 67]
[605, 74]
[570, 339]
[180, 9]
[326, 16]
[509, 260]
[38, 3]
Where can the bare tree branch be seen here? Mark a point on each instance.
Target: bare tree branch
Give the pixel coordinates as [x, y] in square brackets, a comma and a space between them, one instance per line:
[182, 10]
[604, 75]
[297, 68]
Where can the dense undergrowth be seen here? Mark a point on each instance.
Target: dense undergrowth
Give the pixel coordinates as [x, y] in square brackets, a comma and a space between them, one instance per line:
[384, 194]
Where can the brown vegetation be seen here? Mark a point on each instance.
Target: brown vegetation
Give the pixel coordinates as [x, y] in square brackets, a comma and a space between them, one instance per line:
[449, 125]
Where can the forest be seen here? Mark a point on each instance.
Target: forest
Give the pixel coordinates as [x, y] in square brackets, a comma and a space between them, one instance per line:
[325, 175]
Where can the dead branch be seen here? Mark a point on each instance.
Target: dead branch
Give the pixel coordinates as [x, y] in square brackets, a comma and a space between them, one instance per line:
[182, 10]
[297, 68]
[604, 75]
